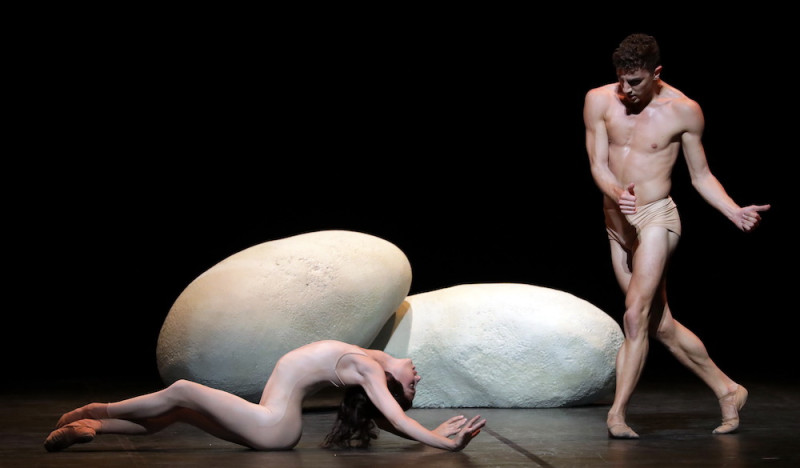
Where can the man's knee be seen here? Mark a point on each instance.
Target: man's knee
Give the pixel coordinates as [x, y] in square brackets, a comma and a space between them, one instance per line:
[635, 321]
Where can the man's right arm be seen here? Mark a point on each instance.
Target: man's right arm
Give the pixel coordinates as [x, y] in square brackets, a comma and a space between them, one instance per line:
[597, 144]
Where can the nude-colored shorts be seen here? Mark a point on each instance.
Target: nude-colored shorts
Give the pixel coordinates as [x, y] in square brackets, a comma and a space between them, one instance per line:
[625, 229]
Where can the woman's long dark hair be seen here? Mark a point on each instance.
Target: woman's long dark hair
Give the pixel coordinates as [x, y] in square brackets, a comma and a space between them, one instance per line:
[355, 423]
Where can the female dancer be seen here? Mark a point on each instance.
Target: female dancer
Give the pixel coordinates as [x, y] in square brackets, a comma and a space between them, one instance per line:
[380, 390]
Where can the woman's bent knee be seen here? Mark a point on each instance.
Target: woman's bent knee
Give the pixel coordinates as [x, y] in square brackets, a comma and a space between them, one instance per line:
[181, 391]
[182, 385]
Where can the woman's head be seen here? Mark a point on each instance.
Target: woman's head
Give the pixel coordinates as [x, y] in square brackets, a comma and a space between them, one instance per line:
[403, 394]
[403, 372]
[355, 425]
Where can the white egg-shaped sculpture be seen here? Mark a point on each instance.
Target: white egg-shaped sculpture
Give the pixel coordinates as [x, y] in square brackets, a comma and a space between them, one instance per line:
[505, 345]
[229, 326]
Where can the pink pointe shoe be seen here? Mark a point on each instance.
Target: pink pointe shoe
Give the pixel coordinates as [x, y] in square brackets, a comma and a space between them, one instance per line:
[90, 411]
[72, 433]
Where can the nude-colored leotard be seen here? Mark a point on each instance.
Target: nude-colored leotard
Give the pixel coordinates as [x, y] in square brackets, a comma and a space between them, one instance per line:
[337, 373]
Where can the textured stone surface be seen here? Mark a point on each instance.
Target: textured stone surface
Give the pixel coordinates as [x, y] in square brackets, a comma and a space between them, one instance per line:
[505, 345]
[230, 325]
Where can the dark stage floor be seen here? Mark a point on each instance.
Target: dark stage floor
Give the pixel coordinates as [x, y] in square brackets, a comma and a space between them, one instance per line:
[674, 419]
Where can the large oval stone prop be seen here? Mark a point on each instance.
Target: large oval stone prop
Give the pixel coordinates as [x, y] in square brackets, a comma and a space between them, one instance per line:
[505, 345]
[230, 325]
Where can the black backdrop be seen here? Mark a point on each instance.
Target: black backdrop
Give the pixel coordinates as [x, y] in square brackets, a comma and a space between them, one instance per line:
[155, 147]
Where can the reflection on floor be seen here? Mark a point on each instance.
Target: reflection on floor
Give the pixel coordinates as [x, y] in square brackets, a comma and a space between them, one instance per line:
[673, 418]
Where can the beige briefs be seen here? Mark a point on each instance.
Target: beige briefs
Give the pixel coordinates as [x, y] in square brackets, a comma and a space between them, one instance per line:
[625, 229]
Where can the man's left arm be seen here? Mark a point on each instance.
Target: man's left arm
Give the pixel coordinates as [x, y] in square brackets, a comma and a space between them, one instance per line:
[706, 184]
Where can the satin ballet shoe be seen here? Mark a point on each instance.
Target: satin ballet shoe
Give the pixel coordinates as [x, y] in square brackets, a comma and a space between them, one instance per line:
[90, 411]
[73, 433]
[733, 402]
[621, 431]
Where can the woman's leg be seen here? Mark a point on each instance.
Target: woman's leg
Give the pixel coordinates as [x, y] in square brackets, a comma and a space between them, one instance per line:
[219, 413]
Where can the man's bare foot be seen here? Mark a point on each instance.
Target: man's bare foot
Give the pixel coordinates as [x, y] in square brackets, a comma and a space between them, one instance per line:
[731, 404]
[79, 432]
[617, 429]
[621, 431]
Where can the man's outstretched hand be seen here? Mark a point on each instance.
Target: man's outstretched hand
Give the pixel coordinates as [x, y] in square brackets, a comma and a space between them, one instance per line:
[748, 218]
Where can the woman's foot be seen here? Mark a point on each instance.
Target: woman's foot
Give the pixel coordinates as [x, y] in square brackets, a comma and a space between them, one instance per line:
[731, 404]
[90, 411]
[78, 432]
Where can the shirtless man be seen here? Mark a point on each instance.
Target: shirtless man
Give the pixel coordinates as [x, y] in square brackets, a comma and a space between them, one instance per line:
[635, 129]
[380, 388]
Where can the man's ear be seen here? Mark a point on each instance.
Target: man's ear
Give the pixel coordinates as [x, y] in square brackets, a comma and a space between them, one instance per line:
[657, 73]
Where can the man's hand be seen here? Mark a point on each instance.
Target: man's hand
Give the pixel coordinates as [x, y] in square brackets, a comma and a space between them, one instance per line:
[627, 200]
[748, 218]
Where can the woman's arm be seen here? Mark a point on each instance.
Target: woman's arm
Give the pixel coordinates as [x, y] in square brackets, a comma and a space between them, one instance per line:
[448, 428]
[373, 380]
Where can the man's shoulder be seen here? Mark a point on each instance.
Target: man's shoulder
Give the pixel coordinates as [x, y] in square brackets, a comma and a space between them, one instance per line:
[601, 95]
[680, 103]
[610, 88]
[676, 96]
[608, 91]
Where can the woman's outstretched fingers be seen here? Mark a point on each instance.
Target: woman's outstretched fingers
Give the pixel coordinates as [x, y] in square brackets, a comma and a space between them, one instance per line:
[451, 426]
[470, 430]
[475, 425]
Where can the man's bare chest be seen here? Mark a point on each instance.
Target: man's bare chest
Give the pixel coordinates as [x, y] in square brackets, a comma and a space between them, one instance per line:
[645, 132]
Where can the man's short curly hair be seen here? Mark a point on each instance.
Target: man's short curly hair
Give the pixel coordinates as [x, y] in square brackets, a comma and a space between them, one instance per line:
[636, 52]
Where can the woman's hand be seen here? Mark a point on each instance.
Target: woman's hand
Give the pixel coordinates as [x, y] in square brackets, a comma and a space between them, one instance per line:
[451, 426]
[467, 432]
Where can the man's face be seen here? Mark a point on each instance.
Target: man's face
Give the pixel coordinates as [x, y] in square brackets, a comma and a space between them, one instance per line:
[637, 86]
